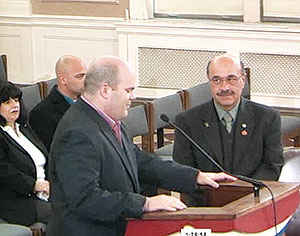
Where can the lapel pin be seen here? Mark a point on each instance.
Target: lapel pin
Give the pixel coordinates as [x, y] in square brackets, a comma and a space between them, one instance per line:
[206, 124]
[244, 125]
[244, 133]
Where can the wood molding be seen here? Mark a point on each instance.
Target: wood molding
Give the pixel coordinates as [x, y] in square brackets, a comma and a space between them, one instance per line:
[98, 1]
[90, 8]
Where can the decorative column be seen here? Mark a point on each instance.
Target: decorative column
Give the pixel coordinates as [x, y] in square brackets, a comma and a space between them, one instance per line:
[141, 9]
[252, 11]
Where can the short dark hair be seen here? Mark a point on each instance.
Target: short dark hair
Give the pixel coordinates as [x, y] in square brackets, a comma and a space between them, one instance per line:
[7, 91]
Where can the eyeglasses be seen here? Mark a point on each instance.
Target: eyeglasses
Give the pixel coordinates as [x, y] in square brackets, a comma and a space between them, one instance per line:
[230, 79]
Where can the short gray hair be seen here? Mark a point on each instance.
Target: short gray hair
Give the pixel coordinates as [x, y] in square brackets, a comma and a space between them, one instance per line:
[100, 73]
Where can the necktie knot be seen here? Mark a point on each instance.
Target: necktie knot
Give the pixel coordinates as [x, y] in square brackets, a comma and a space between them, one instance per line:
[228, 121]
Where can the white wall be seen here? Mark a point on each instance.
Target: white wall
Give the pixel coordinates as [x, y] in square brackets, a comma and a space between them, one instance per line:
[34, 43]
[15, 7]
[283, 40]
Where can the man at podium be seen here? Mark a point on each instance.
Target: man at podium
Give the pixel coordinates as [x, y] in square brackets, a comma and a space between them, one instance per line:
[96, 170]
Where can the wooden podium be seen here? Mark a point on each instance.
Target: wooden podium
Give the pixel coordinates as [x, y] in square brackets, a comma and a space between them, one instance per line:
[232, 210]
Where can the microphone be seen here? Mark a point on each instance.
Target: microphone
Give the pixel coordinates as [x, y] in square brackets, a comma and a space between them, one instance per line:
[256, 183]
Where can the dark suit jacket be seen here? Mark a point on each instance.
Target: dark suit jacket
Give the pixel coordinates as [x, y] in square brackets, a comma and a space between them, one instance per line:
[257, 148]
[44, 117]
[95, 183]
[17, 179]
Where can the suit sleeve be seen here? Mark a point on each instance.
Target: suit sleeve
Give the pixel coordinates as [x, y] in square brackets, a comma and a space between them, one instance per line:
[165, 174]
[272, 161]
[183, 150]
[76, 173]
[10, 176]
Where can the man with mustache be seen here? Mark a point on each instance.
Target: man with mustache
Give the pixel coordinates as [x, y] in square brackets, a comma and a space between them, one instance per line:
[247, 143]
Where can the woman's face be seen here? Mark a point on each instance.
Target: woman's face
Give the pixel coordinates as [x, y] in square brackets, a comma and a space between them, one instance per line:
[10, 110]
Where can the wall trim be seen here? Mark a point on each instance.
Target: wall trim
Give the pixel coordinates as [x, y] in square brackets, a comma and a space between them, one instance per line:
[97, 1]
[60, 21]
[276, 100]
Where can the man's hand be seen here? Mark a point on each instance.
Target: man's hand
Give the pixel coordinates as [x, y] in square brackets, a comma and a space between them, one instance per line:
[163, 203]
[42, 186]
[210, 178]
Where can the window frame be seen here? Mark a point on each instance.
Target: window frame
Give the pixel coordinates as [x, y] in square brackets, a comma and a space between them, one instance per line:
[262, 16]
[196, 16]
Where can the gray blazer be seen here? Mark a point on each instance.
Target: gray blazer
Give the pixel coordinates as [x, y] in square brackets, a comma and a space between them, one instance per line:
[95, 183]
[257, 147]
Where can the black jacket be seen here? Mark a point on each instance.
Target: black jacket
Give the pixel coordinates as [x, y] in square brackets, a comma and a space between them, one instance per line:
[257, 144]
[44, 117]
[17, 178]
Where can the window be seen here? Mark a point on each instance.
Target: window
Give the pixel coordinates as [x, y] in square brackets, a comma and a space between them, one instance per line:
[281, 10]
[263, 10]
[212, 9]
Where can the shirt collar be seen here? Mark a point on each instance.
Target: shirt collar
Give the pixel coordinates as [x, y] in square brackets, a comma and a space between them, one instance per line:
[67, 98]
[233, 112]
[8, 128]
[112, 122]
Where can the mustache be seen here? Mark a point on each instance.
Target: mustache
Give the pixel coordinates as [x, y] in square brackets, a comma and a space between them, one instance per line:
[226, 92]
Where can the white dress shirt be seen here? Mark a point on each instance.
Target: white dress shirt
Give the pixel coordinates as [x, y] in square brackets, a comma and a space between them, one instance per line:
[37, 156]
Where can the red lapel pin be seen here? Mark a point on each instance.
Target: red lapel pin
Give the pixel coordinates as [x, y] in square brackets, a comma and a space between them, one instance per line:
[244, 132]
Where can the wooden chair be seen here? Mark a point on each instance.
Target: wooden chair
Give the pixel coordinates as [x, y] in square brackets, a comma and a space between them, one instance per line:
[171, 106]
[200, 93]
[32, 95]
[137, 124]
[196, 95]
[290, 129]
[47, 86]
[3, 68]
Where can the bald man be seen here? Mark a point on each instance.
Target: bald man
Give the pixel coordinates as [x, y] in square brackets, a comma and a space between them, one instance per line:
[44, 117]
[247, 144]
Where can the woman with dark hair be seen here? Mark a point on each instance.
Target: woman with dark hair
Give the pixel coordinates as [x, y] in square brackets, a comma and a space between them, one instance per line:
[24, 190]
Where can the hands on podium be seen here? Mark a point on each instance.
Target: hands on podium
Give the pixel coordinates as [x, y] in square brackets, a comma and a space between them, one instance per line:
[211, 178]
[163, 203]
[169, 203]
